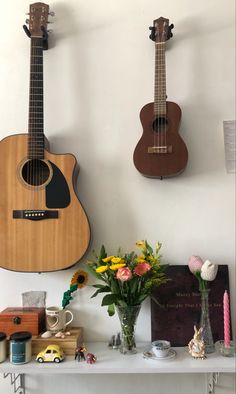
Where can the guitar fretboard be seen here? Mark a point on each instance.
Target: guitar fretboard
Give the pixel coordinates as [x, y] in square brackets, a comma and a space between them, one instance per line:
[35, 126]
[160, 80]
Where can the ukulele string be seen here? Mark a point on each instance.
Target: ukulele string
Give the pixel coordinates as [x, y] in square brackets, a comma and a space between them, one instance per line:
[165, 129]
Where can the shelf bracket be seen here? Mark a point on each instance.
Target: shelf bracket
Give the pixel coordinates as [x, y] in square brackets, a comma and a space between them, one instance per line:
[17, 381]
[212, 380]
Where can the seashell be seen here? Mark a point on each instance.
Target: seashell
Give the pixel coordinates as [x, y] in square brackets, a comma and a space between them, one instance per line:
[59, 334]
[46, 334]
[67, 333]
[62, 336]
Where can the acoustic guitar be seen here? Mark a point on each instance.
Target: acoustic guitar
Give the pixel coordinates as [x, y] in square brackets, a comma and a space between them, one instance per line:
[160, 152]
[43, 226]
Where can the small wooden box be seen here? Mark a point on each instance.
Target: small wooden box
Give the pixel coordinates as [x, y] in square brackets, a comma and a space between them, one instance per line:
[67, 344]
[22, 319]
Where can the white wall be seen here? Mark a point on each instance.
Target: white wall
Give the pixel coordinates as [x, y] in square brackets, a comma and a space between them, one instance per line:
[98, 74]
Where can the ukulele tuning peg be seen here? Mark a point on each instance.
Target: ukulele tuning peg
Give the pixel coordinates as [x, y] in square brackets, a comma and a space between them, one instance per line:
[171, 34]
[150, 27]
[172, 26]
[27, 21]
[49, 31]
[52, 13]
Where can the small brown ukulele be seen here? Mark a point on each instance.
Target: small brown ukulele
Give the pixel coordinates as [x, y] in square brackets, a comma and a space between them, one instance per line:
[160, 152]
[43, 226]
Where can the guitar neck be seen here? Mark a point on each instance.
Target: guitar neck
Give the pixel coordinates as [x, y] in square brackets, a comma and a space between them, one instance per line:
[35, 126]
[160, 80]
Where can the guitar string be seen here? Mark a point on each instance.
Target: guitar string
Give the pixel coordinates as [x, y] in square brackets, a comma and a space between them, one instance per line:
[166, 125]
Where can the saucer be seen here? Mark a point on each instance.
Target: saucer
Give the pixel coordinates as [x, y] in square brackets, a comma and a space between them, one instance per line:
[149, 355]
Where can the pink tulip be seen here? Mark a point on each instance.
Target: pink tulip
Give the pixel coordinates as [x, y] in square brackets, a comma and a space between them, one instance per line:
[195, 264]
[142, 268]
[124, 274]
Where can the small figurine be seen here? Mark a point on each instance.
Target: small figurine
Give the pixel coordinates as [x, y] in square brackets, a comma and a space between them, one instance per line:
[90, 358]
[79, 353]
[196, 346]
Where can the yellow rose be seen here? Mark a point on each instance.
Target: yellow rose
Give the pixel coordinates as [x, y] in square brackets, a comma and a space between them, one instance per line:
[107, 259]
[141, 244]
[116, 260]
[102, 268]
[115, 267]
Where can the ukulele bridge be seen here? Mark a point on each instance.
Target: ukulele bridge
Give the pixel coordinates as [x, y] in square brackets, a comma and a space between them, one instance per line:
[35, 214]
[160, 149]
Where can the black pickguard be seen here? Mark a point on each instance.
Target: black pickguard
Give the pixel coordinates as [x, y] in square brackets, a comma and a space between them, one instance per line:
[57, 191]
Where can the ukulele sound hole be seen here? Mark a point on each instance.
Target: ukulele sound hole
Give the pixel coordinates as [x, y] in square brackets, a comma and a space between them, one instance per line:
[160, 124]
[35, 172]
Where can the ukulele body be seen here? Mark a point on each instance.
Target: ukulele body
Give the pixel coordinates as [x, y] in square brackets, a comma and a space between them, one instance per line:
[161, 152]
[30, 239]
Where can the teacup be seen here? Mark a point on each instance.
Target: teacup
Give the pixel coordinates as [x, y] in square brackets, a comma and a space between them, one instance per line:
[161, 348]
[56, 318]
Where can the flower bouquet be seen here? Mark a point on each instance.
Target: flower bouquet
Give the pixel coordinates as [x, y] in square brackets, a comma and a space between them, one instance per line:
[128, 279]
[204, 272]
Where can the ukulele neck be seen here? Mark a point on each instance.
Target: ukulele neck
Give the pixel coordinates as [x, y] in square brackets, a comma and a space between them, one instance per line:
[35, 126]
[160, 80]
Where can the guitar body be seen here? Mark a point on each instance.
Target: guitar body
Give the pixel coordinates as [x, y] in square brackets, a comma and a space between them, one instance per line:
[159, 134]
[30, 241]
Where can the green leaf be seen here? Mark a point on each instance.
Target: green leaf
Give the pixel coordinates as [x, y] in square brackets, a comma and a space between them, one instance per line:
[109, 299]
[104, 289]
[73, 287]
[141, 298]
[121, 303]
[93, 272]
[103, 254]
[98, 286]
[111, 309]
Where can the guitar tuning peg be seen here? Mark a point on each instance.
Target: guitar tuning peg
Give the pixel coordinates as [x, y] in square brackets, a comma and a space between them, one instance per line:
[52, 13]
[150, 27]
[27, 21]
[172, 26]
[171, 34]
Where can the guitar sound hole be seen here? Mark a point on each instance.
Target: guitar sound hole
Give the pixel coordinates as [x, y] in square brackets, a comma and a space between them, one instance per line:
[35, 172]
[160, 124]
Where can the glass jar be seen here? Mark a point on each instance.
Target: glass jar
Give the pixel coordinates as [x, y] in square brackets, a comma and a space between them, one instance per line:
[3, 347]
[20, 347]
[205, 322]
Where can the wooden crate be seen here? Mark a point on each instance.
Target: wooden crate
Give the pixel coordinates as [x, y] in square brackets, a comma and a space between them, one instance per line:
[68, 344]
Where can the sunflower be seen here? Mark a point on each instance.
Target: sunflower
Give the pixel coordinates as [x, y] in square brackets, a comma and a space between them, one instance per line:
[80, 278]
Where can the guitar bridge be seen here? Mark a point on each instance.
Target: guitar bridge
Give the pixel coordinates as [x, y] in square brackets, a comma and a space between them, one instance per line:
[35, 214]
[160, 149]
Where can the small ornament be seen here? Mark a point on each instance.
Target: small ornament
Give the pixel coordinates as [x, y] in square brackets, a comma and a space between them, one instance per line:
[79, 353]
[196, 346]
[59, 334]
[46, 334]
[90, 358]
[67, 333]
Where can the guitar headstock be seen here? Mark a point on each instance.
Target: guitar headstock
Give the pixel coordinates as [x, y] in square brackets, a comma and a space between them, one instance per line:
[38, 19]
[161, 31]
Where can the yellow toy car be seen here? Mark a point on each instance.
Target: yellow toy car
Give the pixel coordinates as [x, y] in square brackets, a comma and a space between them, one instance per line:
[52, 353]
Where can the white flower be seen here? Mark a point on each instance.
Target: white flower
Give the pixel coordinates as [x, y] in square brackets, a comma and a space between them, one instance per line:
[209, 271]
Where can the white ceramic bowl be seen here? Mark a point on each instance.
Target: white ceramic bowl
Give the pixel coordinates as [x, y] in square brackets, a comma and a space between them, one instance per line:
[161, 348]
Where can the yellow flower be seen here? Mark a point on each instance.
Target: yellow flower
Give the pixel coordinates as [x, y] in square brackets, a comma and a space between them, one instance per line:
[117, 260]
[80, 278]
[142, 257]
[141, 261]
[107, 259]
[141, 244]
[102, 268]
[115, 267]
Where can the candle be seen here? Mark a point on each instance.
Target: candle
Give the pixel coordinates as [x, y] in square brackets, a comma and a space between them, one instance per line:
[226, 320]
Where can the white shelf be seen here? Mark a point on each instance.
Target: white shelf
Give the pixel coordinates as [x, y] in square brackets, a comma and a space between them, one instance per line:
[113, 362]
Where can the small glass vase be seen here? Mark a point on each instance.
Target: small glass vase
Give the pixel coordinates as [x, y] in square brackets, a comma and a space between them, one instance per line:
[128, 317]
[205, 322]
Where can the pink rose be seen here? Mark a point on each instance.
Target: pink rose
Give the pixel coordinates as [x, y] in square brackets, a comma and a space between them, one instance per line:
[195, 264]
[124, 274]
[142, 268]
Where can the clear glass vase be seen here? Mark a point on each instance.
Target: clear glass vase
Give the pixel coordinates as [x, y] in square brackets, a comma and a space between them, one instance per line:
[205, 322]
[128, 317]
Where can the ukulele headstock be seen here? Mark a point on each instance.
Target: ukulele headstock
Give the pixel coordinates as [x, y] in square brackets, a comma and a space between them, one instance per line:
[161, 30]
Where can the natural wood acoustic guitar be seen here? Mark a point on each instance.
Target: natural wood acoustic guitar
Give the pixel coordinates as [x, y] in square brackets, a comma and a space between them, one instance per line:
[43, 226]
[160, 152]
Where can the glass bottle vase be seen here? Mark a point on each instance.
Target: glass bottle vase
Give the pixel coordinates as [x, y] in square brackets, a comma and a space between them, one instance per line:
[205, 322]
[128, 318]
